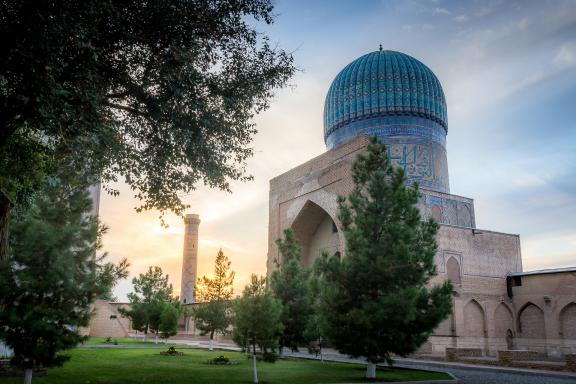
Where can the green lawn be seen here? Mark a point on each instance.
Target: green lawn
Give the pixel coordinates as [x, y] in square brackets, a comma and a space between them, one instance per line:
[104, 366]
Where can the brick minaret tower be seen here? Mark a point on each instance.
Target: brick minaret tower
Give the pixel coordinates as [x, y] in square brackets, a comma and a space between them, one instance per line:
[190, 258]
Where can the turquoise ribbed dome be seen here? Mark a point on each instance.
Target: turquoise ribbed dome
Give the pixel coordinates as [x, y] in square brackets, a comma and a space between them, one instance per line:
[383, 84]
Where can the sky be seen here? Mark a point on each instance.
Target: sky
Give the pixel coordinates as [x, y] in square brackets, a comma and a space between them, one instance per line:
[508, 70]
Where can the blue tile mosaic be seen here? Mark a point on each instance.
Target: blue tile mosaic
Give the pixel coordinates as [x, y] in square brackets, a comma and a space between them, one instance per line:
[380, 85]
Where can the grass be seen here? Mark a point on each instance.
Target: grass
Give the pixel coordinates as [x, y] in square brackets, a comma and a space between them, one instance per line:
[127, 366]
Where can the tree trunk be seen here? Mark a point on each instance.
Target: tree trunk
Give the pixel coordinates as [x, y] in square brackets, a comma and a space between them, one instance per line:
[28, 375]
[371, 371]
[145, 336]
[156, 339]
[5, 208]
[211, 346]
[254, 370]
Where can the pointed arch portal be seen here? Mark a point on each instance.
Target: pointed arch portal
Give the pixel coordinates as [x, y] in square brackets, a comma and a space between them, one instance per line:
[316, 231]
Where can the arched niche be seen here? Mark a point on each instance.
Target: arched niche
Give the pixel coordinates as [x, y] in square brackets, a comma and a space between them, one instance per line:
[316, 231]
[474, 320]
[568, 322]
[504, 322]
[453, 271]
[531, 322]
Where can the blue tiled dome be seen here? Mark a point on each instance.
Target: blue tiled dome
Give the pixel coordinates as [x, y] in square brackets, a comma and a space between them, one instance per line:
[382, 85]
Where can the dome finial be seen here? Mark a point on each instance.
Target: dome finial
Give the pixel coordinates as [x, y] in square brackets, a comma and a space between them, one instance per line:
[380, 47]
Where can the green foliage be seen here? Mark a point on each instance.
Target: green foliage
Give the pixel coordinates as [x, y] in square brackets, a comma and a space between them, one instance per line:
[212, 315]
[171, 351]
[48, 283]
[108, 274]
[220, 360]
[269, 357]
[160, 92]
[377, 300]
[257, 317]
[290, 285]
[219, 287]
[152, 297]
[169, 321]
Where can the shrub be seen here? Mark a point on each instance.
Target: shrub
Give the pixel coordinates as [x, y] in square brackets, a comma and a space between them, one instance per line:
[269, 357]
[220, 360]
[171, 351]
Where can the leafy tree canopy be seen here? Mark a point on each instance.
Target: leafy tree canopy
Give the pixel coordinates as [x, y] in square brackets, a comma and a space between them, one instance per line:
[160, 92]
[151, 297]
[257, 316]
[377, 301]
[290, 284]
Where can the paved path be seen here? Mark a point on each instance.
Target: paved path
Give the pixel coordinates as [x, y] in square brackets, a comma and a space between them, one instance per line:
[488, 375]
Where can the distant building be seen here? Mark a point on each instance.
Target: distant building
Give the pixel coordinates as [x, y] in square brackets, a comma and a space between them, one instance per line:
[397, 98]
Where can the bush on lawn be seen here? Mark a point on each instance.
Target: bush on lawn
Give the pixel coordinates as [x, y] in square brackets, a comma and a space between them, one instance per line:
[220, 360]
[171, 351]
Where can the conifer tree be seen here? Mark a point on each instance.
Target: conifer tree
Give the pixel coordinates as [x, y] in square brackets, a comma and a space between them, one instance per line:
[212, 314]
[257, 319]
[289, 283]
[49, 281]
[377, 300]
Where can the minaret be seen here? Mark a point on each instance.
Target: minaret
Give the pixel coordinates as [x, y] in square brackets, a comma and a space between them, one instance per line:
[190, 258]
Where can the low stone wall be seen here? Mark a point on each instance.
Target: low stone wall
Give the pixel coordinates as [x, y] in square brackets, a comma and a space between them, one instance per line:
[507, 357]
[571, 362]
[453, 354]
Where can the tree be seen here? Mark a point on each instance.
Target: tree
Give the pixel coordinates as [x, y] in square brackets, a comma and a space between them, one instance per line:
[48, 283]
[152, 293]
[257, 319]
[290, 284]
[169, 320]
[162, 93]
[377, 300]
[212, 314]
[108, 274]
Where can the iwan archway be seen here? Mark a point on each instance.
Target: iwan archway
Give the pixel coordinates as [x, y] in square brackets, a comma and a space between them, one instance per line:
[316, 231]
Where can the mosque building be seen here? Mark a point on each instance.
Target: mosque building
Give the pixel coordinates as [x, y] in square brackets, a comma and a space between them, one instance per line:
[496, 306]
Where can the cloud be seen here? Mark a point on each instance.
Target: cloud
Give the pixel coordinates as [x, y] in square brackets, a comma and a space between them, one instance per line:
[522, 24]
[461, 18]
[565, 56]
[441, 11]
[418, 27]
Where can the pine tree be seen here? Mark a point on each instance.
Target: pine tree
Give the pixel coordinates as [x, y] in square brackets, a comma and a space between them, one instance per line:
[49, 281]
[257, 319]
[290, 284]
[377, 300]
[212, 314]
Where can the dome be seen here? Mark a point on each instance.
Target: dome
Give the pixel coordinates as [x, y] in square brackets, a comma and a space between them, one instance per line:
[382, 87]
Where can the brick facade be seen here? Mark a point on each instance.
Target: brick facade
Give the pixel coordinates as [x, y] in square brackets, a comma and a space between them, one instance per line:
[485, 316]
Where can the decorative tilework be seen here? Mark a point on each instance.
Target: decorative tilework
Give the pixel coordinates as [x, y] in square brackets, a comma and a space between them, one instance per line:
[454, 210]
[382, 84]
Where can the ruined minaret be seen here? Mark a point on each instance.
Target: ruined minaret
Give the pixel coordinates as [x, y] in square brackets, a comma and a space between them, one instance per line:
[190, 258]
